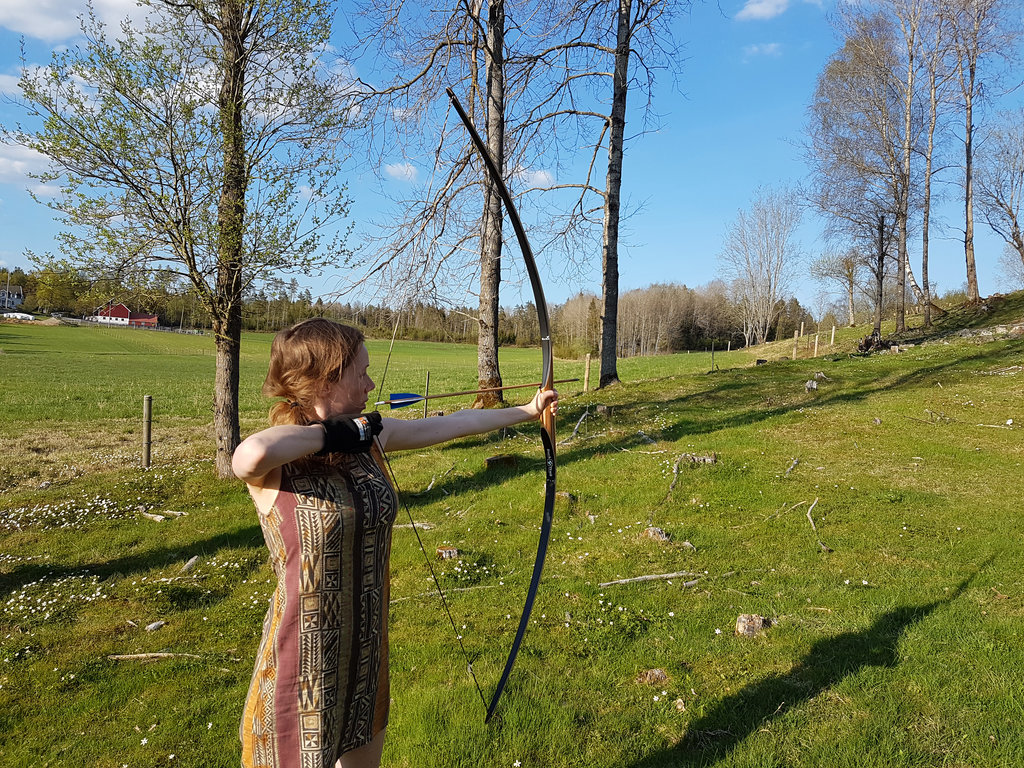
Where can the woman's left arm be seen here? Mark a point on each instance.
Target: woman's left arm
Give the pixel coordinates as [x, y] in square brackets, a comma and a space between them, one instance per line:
[400, 435]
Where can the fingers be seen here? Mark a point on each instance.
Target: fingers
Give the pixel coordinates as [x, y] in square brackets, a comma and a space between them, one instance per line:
[546, 398]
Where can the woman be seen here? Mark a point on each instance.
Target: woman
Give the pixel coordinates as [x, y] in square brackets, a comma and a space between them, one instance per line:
[319, 694]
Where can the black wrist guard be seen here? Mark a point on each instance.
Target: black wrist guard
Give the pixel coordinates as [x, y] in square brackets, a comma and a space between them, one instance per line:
[347, 435]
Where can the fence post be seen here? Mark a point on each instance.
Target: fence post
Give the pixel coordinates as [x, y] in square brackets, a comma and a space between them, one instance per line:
[815, 345]
[586, 375]
[147, 428]
[833, 342]
[426, 394]
[796, 343]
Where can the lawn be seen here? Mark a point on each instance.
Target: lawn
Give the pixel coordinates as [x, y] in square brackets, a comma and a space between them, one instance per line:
[872, 521]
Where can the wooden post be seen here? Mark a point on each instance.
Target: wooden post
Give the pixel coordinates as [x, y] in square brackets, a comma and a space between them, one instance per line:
[801, 329]
[815, 345]
[712, 355]
[728, 347]
[426, 393]
[586, 375]
[833, 342]
[147, 428]
[796, 342]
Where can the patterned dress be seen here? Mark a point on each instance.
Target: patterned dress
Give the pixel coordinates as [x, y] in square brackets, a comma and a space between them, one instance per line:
[320, 687]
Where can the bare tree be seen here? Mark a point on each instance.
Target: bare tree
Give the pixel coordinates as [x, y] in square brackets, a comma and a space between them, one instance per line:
[842, 270]
[934, 45]
[1001, 181]
[760, 258]
[205, 145]
[1012, 269]
[609, 50]
[981, 30]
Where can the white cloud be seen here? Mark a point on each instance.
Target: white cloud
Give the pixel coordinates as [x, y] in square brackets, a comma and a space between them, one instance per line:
[17, 162]
[762, 49]
[9, 85]
[53, 20]
[402, 171]
[536, 178]
[762, 9]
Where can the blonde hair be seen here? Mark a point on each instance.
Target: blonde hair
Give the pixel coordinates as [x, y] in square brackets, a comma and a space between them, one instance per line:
[303, 360]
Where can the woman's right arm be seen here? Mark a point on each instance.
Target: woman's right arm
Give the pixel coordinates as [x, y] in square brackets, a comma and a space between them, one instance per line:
[265, 451]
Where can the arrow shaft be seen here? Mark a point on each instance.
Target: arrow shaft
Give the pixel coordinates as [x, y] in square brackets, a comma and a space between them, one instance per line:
[418, 398]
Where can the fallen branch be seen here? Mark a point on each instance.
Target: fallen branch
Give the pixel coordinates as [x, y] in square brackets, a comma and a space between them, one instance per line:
[791, 467]
[153, 656]
[815, 528]
[578, 423]
[651, 577]
[772, 516]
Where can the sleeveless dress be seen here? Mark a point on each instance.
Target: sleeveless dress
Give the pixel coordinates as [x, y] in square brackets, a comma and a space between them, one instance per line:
[320, 687]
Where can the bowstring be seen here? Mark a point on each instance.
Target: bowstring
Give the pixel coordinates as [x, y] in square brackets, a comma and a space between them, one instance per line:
[433, 574]
[416, 531]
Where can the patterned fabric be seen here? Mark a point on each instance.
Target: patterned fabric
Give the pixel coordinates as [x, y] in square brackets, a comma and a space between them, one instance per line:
[320, 687]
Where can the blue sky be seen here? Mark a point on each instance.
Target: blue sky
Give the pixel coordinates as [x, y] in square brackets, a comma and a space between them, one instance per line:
[733, 123]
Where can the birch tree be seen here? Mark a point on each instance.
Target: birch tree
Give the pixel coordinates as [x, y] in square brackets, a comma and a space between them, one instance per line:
[982, 33]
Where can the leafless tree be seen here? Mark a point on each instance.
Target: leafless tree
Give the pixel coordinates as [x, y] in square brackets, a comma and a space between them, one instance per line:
[760, 258]
[1001, 180]
[983, 32]
[842, 270]
[1012, 269]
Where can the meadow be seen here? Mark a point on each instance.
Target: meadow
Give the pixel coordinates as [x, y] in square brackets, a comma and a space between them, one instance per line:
[873, 521]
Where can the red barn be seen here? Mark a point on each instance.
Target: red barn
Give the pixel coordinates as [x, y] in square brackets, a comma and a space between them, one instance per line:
[119, 314]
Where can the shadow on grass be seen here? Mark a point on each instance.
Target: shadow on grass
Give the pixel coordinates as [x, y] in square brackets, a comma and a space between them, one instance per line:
[714, 736]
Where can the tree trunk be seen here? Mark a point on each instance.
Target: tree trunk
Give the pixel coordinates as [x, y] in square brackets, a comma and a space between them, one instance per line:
[850, 286]
[488, 373]
[972, 270]
[231, 226]
[925, 223]
[879, 276]
[225, 389]
[610, 260]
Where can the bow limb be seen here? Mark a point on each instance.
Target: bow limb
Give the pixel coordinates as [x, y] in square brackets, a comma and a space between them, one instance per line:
[547, 382]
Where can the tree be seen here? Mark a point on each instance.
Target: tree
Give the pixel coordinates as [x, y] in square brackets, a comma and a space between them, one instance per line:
[1001, 181]
[608, 37]
[760, 258]
[980, 30]
[843, 271]
[857, 146]
[934, 45]
[205, 144]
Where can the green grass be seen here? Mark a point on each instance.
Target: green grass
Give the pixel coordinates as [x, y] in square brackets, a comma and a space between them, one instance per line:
[899, 647]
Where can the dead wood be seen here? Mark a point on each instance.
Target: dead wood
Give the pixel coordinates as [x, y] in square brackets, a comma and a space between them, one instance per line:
[650, 577]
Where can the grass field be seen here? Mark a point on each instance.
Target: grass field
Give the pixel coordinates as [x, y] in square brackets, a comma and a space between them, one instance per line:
[896, 617]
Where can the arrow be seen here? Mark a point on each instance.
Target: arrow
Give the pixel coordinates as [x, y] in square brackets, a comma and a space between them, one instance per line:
[402, 399]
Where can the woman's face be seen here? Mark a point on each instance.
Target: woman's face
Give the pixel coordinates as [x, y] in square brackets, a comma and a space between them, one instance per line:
[348, 396]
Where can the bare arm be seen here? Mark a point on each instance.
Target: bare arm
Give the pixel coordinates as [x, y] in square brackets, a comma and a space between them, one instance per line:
[400, 435]
[259, 454]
